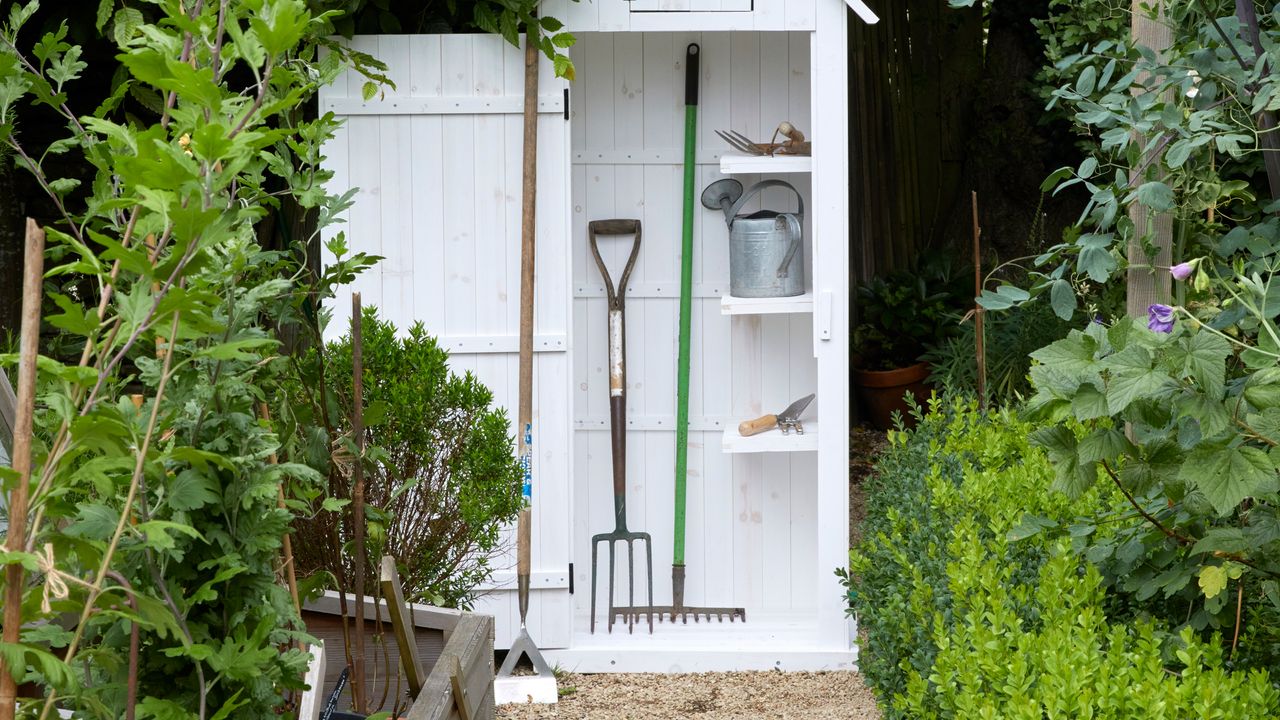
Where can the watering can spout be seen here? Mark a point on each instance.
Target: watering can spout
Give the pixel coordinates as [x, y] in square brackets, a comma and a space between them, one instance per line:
[721, 195]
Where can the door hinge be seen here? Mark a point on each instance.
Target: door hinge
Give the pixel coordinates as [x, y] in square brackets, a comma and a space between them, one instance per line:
[570, 564]
[566, 103]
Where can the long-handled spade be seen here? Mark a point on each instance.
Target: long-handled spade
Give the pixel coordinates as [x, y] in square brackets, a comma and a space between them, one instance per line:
[618, 434]
[541, 686]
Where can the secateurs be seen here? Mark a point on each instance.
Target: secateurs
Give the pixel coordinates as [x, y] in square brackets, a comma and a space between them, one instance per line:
[618, 434]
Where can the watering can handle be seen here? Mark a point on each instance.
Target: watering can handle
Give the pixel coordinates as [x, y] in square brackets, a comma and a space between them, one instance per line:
[793, 229]
[746, 196]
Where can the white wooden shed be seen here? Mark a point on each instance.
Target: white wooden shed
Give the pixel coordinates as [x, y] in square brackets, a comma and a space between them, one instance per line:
[438, 165]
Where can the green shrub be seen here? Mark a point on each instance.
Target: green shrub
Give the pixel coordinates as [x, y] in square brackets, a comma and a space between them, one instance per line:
[949, 560]
[442, 477]
[1068, 661]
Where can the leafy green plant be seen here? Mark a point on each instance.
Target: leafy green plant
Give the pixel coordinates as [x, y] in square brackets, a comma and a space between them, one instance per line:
[956, 464]
[901, 314]
[154, 496]
[1010, 338]
[442, 479]
[1197, 385]
[965, 599]
[1066, 659]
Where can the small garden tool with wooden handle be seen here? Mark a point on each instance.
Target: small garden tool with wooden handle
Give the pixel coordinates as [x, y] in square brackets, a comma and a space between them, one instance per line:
[618, 435]
[787, 420]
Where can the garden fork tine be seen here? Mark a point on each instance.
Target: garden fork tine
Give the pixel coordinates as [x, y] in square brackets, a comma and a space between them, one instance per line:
[743, 145]
[618, 429]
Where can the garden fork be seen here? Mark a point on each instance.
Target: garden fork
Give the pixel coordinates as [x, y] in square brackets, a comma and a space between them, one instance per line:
[618, 430]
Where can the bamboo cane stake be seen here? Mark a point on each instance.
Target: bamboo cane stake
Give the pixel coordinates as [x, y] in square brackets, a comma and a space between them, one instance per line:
[286, 562]
[357, 494]
[979, 313]
[15, 540]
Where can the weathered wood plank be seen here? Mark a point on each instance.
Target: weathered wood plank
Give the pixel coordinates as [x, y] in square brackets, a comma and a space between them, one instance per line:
[471, 645]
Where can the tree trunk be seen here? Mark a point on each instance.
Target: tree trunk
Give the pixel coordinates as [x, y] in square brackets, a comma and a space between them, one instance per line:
[1148, 283]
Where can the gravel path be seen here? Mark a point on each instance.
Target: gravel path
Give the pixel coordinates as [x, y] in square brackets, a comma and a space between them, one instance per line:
[707, 696]
[728, 696]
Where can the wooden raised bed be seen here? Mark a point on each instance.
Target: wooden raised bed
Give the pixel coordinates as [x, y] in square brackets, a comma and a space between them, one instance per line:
[454, 648]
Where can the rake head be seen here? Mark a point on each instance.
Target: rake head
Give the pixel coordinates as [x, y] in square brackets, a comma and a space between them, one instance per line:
[634, 611]
[677, 608]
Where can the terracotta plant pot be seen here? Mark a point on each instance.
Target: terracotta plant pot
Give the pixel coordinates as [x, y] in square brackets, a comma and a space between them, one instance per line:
[880, 392]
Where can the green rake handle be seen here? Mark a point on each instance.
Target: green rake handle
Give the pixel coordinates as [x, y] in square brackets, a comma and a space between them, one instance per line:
[686, 300]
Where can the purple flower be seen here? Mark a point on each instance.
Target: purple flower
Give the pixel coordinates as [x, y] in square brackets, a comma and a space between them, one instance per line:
[1182, 271]
[1160, 318]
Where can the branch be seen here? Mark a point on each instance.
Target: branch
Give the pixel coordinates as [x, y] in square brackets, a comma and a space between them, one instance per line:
[1182, 539]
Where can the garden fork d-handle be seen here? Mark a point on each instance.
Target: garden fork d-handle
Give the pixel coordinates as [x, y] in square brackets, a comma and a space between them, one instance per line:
[617, 354]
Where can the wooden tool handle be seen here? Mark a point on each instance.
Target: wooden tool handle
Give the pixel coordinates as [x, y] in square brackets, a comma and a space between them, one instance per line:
[522, 542]
[747, 428]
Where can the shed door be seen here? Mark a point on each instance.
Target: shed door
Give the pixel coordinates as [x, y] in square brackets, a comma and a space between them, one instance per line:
[437, 162]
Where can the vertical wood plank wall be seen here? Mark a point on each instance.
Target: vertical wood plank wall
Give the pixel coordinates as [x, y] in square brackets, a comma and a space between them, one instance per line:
[751, 533]
[439, 198]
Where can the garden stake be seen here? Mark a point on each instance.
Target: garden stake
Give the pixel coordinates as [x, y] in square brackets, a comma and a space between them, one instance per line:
[618, 434]
[15, 538]
[541, 686]
[357, 494]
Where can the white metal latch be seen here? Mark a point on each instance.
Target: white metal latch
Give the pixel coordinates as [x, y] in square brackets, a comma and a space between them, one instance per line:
[822, 312]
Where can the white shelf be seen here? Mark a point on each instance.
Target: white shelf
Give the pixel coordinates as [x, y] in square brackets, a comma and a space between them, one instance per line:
[735, 162]
[771, 440]
[730, 305]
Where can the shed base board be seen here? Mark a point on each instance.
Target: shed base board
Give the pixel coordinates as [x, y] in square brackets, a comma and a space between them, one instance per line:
[631, 659]
[767, 641]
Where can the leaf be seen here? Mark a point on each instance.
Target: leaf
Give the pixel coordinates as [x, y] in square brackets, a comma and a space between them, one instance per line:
[160, 533]
[1228, 475]
[1204, 360]
[1156, 195]
[1230, 540]
[1087, 81]
[1063, 299]
[94, 522]
[1095, 258]
[368, 90]
[239, 349]
[1072, 354]
[1103, 444]
[192, 490]
[1213, 580]
[1029, 526]
[1071, 476]
[1133, 378]
[125, 25]
[333, 504]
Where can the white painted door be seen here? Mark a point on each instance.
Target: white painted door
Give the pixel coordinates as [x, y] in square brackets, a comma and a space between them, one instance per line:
[437, 164]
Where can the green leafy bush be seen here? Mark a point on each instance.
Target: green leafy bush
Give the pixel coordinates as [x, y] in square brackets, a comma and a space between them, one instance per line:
[442, 478]
[1065, 659]
[960, 491]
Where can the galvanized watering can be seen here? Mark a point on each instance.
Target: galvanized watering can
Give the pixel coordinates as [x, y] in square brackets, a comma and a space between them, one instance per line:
[766, 248]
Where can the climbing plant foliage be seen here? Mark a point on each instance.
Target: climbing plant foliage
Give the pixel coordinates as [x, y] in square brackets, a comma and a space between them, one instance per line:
[155, 491]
